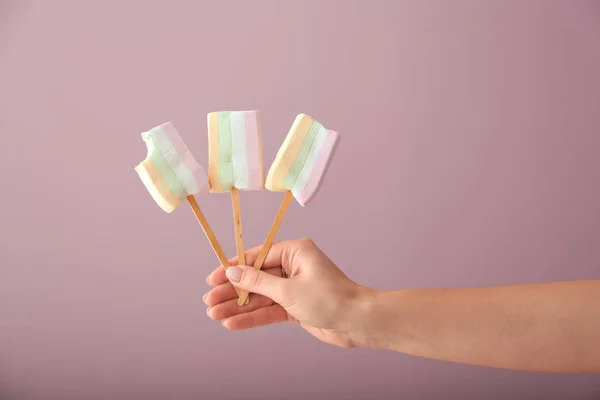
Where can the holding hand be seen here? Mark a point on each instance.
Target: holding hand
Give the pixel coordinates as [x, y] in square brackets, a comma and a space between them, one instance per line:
[316, 294]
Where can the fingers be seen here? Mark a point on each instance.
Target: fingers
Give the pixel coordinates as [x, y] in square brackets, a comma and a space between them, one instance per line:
[223, 293]
[230, 308]
[263, 316]
[218, 277]
[280, 254]
[220, 294]
[260, 282]
[276, 255]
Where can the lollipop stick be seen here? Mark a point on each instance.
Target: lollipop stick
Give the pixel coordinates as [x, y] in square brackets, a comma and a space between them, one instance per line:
[210, 235]
[237, 224]
[243, 294]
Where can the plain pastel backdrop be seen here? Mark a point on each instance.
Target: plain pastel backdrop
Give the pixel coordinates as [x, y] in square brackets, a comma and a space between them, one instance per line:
[469, 156]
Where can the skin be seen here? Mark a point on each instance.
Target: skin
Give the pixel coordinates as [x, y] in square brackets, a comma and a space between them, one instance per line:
[551, 327]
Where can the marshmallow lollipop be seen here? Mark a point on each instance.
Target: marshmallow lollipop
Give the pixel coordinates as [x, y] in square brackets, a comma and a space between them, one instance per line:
[171, 174]
[235, 160]
[299, 170]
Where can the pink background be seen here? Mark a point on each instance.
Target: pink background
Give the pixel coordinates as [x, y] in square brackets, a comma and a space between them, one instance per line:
[469, 156]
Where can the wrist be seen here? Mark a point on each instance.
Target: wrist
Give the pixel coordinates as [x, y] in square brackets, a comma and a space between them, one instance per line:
[361, 326]
[380, 319]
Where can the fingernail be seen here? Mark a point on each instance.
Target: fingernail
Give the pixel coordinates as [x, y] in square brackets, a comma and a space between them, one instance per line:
[204, 297]
[234, 273]
[207, 278]
[207, 310]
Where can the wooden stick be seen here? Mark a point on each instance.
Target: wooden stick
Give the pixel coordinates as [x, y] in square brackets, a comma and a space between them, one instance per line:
[237, 225]
[243, 295]
[210, 235]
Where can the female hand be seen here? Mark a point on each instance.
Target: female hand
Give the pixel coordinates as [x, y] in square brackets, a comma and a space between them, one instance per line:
[317, 295]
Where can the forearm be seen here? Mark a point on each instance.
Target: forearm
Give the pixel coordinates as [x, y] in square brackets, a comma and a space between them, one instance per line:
[542, 327]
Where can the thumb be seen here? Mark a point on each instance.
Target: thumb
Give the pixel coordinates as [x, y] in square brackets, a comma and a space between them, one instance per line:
[256, 281]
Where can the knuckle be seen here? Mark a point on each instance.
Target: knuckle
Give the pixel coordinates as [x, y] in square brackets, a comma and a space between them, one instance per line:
[307, 241]
[287, 256]
[255, 278]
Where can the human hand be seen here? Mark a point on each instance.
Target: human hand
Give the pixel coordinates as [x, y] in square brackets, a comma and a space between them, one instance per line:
[317, 295]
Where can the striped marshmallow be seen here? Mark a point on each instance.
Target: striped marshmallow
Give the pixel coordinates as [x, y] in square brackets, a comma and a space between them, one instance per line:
[170, 172]
[303, 159]
[235, 157]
